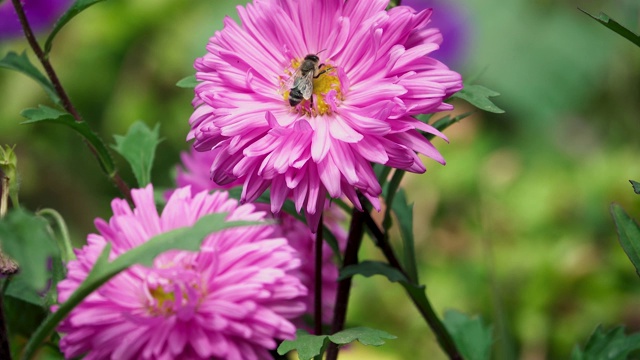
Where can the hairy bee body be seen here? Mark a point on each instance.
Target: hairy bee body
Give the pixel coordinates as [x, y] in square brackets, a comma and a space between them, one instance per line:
[301, 83]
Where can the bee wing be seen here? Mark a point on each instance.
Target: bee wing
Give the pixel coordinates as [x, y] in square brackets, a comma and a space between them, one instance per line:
[305, 84]
[290, 83]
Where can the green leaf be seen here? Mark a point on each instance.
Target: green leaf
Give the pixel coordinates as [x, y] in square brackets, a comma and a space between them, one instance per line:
[47, 114]
[364, 335]
[186, 238]
[26, 239]
[22, 317]
[9, 167]
[636, 186]
[75, 9]
[369, 268]
[22, 64]
[472, 337]
[139, 148]
[607, 345]
[404, 214]
[44, 113]
[478, 96]
[308, 346]
[188, 82]
[628, 234]
[390, 192]
[608, 22]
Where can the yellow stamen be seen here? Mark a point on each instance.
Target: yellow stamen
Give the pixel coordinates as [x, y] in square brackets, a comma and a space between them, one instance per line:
[322, 85]
[162, 296]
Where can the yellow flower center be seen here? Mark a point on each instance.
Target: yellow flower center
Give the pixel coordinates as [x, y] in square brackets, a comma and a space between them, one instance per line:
[326, 94]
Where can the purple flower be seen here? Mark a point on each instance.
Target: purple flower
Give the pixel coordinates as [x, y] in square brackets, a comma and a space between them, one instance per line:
[196, 174]
[230, 300]
[376, 75]
[452, 21]
[40, 13]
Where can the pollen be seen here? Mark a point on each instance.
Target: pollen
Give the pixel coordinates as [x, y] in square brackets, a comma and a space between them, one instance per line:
[327, 91]
[164, 300]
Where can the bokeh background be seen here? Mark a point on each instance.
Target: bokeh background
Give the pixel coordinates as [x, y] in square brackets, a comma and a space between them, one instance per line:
[515, 228]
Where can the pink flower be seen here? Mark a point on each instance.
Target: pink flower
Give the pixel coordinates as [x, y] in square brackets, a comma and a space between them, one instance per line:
[196, 174]
[230, 300]
[376, 76]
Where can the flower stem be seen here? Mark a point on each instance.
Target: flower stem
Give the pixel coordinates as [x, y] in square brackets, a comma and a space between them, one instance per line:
[422, 304]
[5, 352]
[356, 230]
[64, 98]
[318, 281]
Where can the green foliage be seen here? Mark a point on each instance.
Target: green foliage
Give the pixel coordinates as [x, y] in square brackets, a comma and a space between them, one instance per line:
[472, 337]
[478, 96]
[22, 317]
[628, 235]
[186, 238]
[50, 115]
[26, 239]
[607, 345]
[404, 214]
[613, 25]
[636, 186]
[370, 268]
[364, 335]
[138, 146]
[44, 113]
[9, 167]
[22, 64]
[188, 82]
[77, 7]
[310, 346]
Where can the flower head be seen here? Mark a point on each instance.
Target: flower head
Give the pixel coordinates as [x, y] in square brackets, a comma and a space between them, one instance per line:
[230, 300]
[357, 103]
[195, 173]
[40, 13]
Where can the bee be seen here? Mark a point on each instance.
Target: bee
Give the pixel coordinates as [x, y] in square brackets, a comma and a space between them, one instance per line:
[300, 84]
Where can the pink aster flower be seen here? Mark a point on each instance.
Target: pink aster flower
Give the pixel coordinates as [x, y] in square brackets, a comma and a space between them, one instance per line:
[195, 172]
[374, 75]
[230, 300]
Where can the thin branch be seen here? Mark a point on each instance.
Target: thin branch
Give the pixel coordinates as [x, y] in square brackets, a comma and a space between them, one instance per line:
[426, 310]
[354, 240]
[66, 102]
[317, 313]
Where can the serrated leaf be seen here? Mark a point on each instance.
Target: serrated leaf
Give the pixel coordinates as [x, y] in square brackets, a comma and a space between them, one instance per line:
[22, 64]
[25, 238]
[404, 214]
[636, 186]
[370, 268]
[138, 147]
[186, 238]
[43, 113]
[364, 335]
[77, 7]
[472, 337]
[188, 82]
[608, 22]
[478, 96]
[607, 345]
[308, 346]
[628, 235]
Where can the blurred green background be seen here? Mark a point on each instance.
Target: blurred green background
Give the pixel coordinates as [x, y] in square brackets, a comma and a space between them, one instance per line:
[514, 228]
